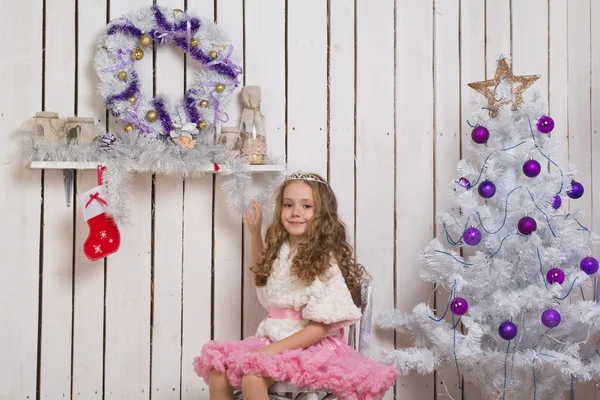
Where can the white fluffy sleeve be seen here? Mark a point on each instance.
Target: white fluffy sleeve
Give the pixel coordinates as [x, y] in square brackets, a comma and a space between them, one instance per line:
[330, 301]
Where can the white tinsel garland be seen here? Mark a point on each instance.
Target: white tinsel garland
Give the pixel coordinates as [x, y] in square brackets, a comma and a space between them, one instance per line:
[130, 154]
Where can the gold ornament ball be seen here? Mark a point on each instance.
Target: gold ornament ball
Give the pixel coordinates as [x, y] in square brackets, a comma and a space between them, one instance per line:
[122, 75]
[203, 124]
[128, 127]
[145, 40]
[220, 87]
[138, 54]
[213, 54]
[194, 42]
[132, 99]
[151, 116]
[204, 103]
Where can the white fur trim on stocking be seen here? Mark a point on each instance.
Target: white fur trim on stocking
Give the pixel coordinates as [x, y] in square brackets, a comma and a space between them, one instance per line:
[95, 207]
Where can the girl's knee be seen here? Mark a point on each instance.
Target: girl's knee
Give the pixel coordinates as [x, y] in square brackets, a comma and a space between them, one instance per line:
[218, 381]
[253, 382]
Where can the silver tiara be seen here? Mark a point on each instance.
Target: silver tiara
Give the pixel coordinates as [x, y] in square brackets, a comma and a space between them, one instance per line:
[305, 177]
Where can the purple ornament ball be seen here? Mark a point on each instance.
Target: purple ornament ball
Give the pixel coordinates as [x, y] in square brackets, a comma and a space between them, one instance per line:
[472, 236]
[464, 182]
[486, 189]
[527, 225]
[480, 134]
[576, 190]
[507, 330]
[589, 265]
[532, 168]
[556, 201]
[551, 318]
[459, 306]
[545, 124]
[555, 275]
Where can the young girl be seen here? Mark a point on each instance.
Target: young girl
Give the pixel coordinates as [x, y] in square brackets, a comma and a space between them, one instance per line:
[304, 276]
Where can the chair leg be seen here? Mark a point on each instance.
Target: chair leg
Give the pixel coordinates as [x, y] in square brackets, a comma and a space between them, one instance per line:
[272, 396]
[238, 395]
[307, 396]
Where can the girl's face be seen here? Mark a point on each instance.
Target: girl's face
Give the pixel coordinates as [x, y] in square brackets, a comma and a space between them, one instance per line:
[297, 209]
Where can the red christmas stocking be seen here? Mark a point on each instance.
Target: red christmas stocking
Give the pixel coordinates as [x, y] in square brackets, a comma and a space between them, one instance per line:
[104, 238]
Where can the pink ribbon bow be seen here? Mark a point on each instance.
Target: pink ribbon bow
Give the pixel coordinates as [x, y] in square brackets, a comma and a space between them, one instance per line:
[95, 196]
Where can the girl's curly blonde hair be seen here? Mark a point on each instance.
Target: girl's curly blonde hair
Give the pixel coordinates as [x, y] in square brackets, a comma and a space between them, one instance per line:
[325, 240]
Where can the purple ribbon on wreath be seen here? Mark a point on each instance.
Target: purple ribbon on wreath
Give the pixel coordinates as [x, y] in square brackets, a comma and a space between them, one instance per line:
[168, 35]
[123, 61]
[221, 59]
[214, 101]
[134, 118]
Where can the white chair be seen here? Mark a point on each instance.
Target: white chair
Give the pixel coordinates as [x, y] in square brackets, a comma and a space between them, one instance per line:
[283, 391]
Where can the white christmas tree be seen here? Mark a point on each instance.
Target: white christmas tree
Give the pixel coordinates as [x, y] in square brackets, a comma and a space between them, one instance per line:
[526, 331]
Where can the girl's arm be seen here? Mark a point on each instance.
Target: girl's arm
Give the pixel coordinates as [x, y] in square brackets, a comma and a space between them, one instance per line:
[257, 248]
[299, 340]
[254, 227]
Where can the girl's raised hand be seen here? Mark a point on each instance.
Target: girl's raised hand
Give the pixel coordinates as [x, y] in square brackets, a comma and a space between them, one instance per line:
[254, 222]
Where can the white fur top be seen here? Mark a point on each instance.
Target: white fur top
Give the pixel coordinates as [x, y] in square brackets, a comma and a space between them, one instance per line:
[328, 301]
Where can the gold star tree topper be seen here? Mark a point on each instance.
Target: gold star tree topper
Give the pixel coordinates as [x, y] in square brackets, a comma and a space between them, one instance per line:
[488, 88]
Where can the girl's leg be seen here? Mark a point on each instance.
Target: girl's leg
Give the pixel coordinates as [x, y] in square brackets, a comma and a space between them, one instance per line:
[219, 387]
[255, 387]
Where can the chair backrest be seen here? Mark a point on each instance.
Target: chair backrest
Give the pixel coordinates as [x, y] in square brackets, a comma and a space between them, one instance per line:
[366, 308]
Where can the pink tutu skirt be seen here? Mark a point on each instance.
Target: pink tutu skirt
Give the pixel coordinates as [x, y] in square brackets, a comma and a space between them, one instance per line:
[329, 365]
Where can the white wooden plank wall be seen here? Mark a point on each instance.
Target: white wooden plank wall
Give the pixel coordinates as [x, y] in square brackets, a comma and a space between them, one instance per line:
[372, 95]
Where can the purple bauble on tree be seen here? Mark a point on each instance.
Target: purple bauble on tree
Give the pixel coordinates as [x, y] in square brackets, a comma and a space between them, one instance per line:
[527, 225]
[556, 201]
[507, 330]
[532, 168]
[545, 124]
[486, 189]
[576, 190]
[480, 134]
[589, 265]
[555, 275]
[464, 182]
[472, 236]
[551, 318]
[459, 306]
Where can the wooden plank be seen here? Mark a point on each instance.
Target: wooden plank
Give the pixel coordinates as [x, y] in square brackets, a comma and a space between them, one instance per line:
[57, 289]
[264, 39]
[558, 75]
[197, 296]
[168, 241]
[595, 99]
[20, 204]
[530, 44]
[472, 69]
[128, 277]
[88, 320]
[375, 157]
[447, 148]
[498, 34]
[341, 109]
[579, 64]
[579, 123]
[228, 227]
[197, 256]
[307, 86]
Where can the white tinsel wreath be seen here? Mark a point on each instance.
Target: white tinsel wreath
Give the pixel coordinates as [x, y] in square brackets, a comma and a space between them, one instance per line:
[159, 136]
[123, 43]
